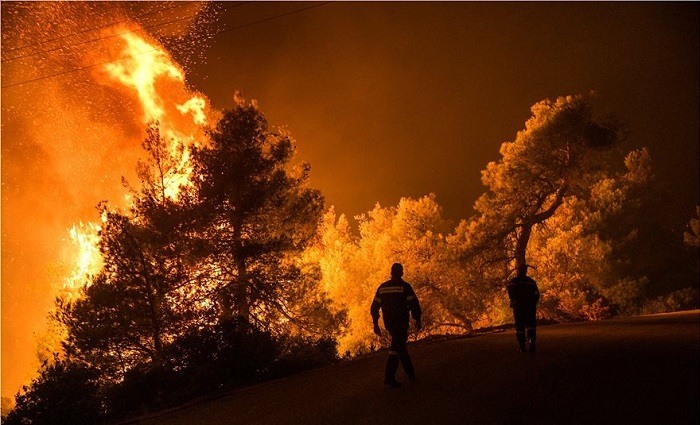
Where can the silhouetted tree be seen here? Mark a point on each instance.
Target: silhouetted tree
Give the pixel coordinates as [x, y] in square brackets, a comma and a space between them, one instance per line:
[146, 293]
[206, 236]
[63, 393]
[255, 217]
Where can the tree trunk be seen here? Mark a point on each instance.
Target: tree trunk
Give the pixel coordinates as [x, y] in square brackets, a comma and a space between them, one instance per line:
[521, 245]
[526, 230]
[226, 302]
[154, 313]
[234, 299]
[240, 296]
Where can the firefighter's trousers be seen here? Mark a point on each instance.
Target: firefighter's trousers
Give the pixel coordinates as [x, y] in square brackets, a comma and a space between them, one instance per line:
[525, 323]
[398, 352]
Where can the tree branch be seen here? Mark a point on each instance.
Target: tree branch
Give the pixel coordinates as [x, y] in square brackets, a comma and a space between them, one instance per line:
[558, 200]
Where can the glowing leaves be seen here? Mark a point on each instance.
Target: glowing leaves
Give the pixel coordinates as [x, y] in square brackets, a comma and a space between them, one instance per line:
[411, 233]
[639, 166]
[559, 154]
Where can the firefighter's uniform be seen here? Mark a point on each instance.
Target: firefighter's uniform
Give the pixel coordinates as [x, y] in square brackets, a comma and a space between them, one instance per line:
[395, 298]
[524, 295]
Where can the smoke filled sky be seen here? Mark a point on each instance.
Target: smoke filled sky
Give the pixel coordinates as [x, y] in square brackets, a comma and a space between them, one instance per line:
[403, 99]
[384, 100]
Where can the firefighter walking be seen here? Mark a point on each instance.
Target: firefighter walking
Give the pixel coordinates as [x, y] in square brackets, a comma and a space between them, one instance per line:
[524, 295]
[395, 298]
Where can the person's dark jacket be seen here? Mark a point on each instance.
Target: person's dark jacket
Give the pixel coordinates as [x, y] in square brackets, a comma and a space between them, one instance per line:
[523, 293]
[395, 298]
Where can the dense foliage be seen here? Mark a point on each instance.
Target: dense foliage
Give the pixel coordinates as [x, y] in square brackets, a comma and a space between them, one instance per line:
[64, 393]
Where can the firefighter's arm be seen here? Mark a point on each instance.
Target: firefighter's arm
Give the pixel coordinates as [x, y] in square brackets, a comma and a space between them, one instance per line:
[511, 296]
[374, 311]
[414, 306]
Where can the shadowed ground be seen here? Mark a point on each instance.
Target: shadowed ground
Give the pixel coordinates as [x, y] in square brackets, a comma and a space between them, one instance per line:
[642, 370]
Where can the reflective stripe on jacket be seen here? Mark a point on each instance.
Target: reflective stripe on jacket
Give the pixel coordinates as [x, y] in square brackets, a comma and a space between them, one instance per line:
[395, 298]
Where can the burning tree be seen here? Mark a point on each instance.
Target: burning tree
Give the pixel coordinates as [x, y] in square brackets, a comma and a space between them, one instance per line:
[254, 217]
[165, 267]
[204, 269]
[147, 294]
[228, 240]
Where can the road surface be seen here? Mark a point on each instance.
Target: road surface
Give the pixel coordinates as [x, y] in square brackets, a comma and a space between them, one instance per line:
[641, 370]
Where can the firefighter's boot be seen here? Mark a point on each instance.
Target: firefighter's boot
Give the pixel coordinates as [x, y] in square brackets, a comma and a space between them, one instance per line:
[392, 364]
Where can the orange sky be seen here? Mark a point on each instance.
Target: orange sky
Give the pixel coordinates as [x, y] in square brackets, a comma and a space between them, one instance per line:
[385, 100]
[392, 99]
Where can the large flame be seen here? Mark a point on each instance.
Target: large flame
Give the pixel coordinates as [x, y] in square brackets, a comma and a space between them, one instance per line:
[143, 64]
[88, 261]
[68, 140]
[150, 74]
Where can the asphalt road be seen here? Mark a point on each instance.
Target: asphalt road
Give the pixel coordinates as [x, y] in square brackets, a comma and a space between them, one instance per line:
[642, 370]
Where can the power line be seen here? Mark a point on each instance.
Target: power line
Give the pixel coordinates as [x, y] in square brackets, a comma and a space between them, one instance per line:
[79, 69]
[92, 40]
[180, 4]
[274, 17]
[158, 49]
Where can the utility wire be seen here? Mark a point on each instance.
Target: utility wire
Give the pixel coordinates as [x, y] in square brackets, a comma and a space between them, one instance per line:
[92, 40]
[274, 17]
[159, 49]
[80, 69]
[179, 4]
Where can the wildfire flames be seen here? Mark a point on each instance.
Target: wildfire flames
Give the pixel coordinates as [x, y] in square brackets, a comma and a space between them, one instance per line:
[84, 237]
[68, 129]
[149, 74]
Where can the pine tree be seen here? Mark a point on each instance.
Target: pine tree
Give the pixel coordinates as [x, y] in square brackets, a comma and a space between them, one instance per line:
[254, 216]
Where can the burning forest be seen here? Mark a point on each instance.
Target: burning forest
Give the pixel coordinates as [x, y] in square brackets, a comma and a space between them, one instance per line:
[183, 248]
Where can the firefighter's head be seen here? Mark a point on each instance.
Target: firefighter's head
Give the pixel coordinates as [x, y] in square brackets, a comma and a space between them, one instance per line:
[396, 270]
[522, 269]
